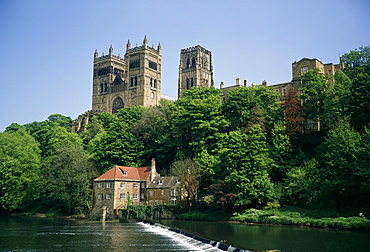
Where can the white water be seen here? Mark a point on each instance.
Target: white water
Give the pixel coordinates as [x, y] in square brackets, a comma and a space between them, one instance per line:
[184, 240]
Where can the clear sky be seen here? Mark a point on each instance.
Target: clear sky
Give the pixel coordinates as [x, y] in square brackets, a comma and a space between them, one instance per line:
[47, 46]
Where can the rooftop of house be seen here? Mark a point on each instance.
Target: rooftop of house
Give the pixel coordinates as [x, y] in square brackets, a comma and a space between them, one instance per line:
[125, 173]
[163, 182]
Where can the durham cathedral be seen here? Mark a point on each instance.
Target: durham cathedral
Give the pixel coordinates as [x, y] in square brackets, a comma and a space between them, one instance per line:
[135, 79]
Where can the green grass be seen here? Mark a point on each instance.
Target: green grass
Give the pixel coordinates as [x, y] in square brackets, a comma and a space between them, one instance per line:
[302, 217]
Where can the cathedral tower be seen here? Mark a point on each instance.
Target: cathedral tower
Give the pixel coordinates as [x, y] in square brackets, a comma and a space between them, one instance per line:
[134, 80]
[195, 68]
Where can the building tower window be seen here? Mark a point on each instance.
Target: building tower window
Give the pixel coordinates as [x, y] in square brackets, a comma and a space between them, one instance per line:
[193, 62]
[117, 104]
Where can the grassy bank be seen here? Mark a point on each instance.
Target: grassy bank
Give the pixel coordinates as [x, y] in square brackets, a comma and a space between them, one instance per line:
[291, 216]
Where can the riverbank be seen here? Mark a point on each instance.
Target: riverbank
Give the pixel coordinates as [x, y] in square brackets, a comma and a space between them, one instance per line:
[289, 216]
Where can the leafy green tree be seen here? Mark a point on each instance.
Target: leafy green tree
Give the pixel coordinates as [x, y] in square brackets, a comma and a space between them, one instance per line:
[360, 101]
[67, 178]
[117, 145]
[302, 184]
[196, 120]
[314, 93]
[153, 129]
[343, 167]
[249, 106]
[19, 169]
[61, 120]
[244, 163]
[280, 151]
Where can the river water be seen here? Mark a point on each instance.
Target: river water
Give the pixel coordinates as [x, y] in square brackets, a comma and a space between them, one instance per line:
[54, 234]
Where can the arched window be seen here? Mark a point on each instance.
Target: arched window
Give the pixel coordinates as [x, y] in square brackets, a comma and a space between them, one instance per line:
[188, 63]
[155, 83]
[101, 88]
[193, 62]
[132, 82]
[151, 82]
[192, 82]
[135, 80]
[187, 84]
[117, 104]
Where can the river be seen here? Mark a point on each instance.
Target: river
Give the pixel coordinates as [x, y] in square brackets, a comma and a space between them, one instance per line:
[55, 234]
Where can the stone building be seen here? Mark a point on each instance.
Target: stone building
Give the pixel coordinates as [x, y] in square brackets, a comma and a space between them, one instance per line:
[163, 190]
[134, 80]
[122, 186]
[195, 68]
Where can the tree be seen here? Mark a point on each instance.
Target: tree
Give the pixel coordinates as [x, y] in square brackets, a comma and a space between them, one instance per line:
[196, 120]
[314, 93]
[153, 130]
[293, 116]
[61, 120]
[67, 179]
[249, 106]
[189, 174]
[244, 164]
[117, 145]
[19, 169]
[343, 167]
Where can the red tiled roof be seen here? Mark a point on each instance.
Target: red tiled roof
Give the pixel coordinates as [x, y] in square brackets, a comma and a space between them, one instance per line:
[132, 173]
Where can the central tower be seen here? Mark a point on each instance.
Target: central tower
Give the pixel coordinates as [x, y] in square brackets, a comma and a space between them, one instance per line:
[134, 80]
[195, 68]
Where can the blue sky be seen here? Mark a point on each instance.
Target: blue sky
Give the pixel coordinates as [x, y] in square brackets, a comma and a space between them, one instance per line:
[47, 46]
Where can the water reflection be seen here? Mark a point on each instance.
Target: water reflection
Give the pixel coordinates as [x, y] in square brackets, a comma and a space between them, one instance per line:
[259, 237]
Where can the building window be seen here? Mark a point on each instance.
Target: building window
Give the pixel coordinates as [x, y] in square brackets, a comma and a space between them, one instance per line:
[124, 173]
[109, 185]
[100, 185]
[108, 196]
[187, 84]
[151, 193]
[152, 65]
[304, 69]
[122, 196]
[134, 196]
[100, 196]
[162, 192]
[117, 104]
[160, 182]
[135, 185]
[123, 185]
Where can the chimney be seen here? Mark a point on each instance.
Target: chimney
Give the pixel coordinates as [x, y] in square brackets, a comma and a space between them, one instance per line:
[222, 84]
[238, 81]
[264, 83]
[245, 83]
[153, 171]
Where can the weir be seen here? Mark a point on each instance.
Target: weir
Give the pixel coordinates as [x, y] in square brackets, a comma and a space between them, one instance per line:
[193, 241]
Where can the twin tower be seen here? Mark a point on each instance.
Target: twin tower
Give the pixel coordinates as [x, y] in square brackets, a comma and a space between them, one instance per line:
[135, 79]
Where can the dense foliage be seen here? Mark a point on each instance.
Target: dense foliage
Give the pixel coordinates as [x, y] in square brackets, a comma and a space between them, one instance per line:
[251, 150]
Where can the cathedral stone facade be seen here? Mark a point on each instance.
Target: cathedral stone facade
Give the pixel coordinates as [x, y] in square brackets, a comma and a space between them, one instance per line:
[195, 68]
[134, 80]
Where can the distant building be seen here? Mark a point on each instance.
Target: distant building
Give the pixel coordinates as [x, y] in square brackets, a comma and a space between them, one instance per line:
[122, 185]
[195, 68]
[134, 80]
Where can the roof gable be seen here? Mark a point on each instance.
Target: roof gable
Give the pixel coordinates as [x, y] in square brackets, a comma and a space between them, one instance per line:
[125, 172]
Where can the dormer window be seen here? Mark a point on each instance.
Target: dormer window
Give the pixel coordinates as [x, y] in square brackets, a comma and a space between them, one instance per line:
[124, 173]
[160, 182]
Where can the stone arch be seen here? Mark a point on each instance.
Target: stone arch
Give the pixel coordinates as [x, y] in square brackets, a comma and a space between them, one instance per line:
[117, 104]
